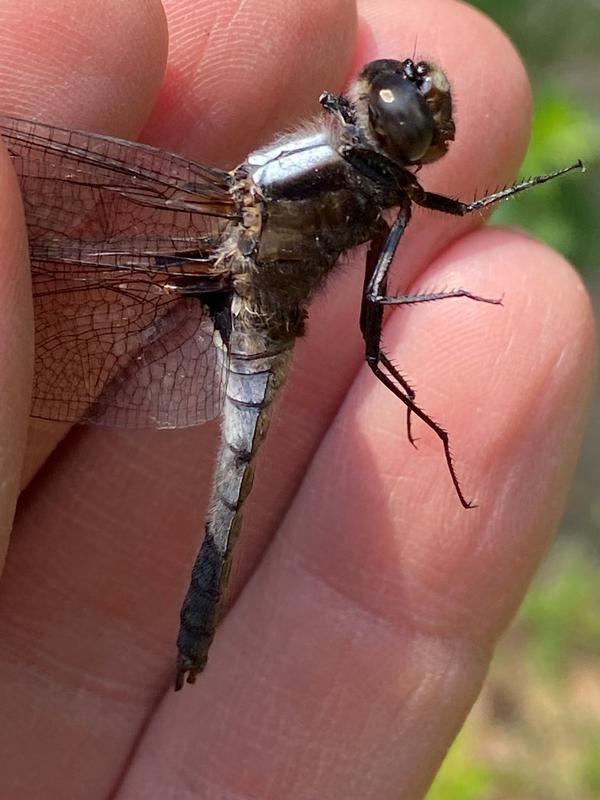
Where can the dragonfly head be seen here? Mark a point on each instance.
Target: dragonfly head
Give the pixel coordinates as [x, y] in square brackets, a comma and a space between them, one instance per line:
[404, 110]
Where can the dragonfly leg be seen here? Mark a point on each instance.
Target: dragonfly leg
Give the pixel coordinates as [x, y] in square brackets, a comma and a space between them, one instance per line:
[448, 205]
[413, 299]
[379, 260]
[339, 106]
[371, 313]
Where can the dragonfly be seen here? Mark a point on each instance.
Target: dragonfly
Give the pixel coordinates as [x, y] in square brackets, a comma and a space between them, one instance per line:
[168, 292]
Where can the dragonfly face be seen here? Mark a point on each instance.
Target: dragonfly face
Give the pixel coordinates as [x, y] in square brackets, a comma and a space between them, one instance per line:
[404, 110]
[167, 292]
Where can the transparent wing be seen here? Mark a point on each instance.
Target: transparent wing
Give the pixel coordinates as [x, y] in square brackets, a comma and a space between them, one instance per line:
[122, 240]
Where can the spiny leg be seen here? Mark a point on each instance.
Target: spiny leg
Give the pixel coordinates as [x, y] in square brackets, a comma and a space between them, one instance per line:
[379, 258]
[431, 423]
[371, 314]
[413, 299]
[448, 205]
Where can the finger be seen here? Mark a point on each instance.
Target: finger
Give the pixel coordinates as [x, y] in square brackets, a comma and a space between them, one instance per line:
[96, 66]
[352, 657]
[72, 63]
[240, 72]
[88, 65]
[16, 346]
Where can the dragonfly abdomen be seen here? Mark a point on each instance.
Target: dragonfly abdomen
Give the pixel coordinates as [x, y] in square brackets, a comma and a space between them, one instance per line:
[253, 381]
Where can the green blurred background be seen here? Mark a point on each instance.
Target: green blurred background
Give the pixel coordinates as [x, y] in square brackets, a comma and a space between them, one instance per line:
[534, 733]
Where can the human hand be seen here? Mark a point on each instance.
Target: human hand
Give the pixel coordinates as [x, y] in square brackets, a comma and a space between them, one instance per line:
[362, 636]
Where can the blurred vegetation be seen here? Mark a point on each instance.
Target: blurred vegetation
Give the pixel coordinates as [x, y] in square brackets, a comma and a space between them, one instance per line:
[558, 41]
[534, 733]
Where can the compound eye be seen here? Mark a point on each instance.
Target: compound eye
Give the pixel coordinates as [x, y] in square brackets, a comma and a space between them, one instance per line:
[400, 116]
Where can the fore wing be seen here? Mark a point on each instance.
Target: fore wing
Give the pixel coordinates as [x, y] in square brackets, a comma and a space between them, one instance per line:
[123, 239]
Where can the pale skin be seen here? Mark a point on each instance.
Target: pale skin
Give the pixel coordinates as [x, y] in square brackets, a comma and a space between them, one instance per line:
[359, 637]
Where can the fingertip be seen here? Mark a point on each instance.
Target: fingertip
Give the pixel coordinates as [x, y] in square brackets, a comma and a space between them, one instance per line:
[240, 72]
[96, 66]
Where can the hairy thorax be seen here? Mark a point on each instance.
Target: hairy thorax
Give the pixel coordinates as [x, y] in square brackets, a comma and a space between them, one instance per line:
[294, 232]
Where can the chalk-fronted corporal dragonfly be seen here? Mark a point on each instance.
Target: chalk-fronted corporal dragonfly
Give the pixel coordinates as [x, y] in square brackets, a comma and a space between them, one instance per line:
[167, 292]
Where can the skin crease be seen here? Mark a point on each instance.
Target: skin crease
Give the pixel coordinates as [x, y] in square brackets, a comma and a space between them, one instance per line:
[359, 642]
